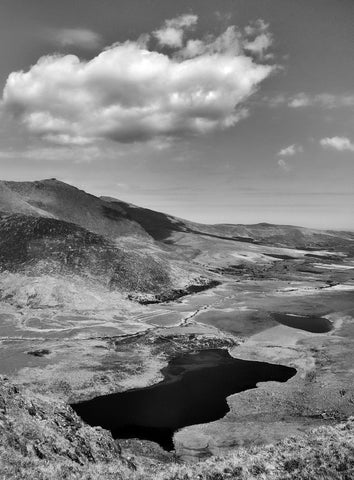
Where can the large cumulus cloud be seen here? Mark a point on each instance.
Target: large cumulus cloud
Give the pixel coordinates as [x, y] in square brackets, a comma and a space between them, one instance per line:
[132, 92]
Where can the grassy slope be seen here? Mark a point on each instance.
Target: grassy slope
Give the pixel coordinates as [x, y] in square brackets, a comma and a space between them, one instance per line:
[46, 440]
[325, 453]
[40, 438]
[65, 202]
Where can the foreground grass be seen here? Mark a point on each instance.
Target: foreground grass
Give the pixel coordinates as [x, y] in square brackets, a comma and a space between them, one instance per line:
[326, 453]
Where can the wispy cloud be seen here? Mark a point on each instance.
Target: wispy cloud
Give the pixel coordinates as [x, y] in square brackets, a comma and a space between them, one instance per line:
[300, 100]
[260, 39]
[303, 100]
[80, 37]
[287, 152]
[172, 32]
[324, 100]
[132, 92]
[283, 165]
[290, 150]
[340, 144]
[72, 154]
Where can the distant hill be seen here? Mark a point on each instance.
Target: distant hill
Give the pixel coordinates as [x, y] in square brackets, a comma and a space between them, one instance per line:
[164, 227]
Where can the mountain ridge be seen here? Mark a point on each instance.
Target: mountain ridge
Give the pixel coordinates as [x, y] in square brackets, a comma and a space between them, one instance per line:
[48, 227]
[115, 218]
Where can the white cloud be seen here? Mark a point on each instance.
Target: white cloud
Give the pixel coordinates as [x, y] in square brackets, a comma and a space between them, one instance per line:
[172, 32]
[258, 38]
[75, 154]
[324, 100]
[283, 165]
[228, 43]
[260, 44]
[300, 100]
[256, 27]
[80, 37]
[78, 153]
[129, 93]
[290, 150]
[338, 143]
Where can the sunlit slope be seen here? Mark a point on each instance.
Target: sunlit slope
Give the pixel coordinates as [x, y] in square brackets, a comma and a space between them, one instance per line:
[65, 202]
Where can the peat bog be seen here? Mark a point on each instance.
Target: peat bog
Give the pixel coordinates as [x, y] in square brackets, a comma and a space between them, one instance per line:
[194, 390]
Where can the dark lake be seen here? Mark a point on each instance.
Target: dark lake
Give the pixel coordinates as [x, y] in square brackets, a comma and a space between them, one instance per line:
[193, 391]
[310, 323]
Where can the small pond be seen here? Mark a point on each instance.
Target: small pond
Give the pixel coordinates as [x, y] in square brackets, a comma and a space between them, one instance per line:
[309, 323]
[194, 390]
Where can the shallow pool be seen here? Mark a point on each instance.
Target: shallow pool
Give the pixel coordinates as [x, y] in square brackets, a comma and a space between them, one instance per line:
[309, 323]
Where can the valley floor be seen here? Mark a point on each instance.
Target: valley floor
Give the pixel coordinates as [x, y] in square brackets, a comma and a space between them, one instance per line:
[100, 343]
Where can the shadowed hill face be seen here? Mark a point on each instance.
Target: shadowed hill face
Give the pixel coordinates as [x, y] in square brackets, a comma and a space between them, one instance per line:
[159, 225]
[38, 245]
[64, 202]
[113, 218]
[162, 227]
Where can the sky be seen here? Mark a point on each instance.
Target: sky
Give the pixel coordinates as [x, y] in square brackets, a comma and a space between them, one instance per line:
[235, 111]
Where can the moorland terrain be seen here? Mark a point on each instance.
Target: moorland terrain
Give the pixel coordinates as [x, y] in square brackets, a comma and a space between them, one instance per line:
[98, 296]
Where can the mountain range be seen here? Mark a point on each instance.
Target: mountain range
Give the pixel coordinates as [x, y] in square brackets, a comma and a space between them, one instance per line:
[50, 227]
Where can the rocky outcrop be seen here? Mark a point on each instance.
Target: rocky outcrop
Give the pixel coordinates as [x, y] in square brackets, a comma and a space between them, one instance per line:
[199, 285]
[48, 430]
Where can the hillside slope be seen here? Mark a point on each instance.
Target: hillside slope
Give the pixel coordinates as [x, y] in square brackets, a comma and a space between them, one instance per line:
[12, 202]
[35, 431]
[38, 246]
[62, 201]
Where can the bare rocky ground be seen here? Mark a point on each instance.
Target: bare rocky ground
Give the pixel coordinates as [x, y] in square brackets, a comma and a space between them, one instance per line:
[68, 335]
